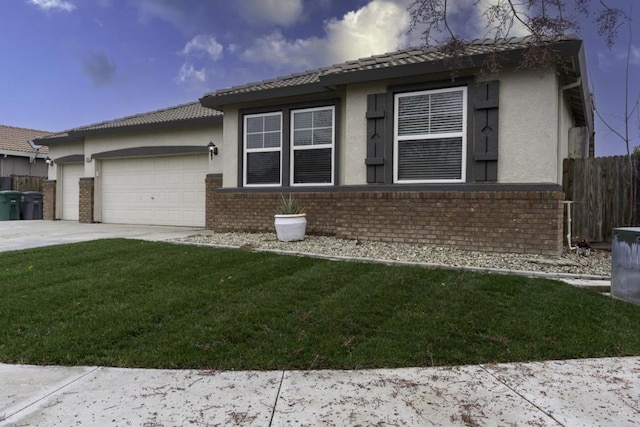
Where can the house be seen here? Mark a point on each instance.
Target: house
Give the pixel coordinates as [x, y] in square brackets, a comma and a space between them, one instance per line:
[410, 146]
[144, 169]
[19, 156]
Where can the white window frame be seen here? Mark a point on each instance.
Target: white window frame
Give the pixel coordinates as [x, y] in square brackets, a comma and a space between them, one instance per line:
[463, 134]
[247, 151]
[312, 147]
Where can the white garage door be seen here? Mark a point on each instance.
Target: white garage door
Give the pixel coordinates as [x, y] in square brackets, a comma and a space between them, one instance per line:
[71, 174]
[154, 190]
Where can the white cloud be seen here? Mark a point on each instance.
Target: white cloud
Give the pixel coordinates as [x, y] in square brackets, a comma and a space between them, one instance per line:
[635, 55]
[54, 4]
[611, 58]
[279, 12]
[381, 26]
[200, 52]
[469, 20]
[279, 52]
[189, 75]
[203, 44]
[376, 28]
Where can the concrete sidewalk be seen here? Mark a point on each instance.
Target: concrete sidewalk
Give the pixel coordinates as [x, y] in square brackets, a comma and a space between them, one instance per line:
[590, 392]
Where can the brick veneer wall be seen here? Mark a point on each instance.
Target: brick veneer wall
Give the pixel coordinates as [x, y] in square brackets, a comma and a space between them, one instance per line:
[85, 202]
[493, 221]
[49, 200]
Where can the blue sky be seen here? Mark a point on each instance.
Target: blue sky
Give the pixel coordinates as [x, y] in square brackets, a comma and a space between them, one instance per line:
[69, 63]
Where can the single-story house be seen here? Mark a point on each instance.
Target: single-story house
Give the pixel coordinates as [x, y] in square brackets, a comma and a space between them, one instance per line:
[144, 169]
[19, 156]
[409, 146]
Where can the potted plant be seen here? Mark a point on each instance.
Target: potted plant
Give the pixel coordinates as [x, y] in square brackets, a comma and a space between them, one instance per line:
[291, 221]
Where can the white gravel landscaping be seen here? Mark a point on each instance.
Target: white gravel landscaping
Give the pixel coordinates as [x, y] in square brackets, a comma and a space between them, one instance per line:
[597, 263]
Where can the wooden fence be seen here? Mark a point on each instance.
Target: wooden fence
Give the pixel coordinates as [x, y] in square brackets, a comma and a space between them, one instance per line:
[605, 195]
[21, 183]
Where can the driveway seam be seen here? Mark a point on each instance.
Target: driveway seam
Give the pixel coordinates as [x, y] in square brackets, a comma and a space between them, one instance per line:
[522, 396]
[47, 396]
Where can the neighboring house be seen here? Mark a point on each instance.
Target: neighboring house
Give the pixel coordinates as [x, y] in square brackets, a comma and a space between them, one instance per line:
[410, 146]
[18, 155]
[144, 169]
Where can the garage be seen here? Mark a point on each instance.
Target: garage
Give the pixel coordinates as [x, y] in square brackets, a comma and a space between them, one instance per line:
[161, 190]
[71, 174]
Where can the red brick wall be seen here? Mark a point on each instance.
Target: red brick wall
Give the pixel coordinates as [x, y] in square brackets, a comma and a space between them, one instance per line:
[213, 182]
[49, 200]
[493, 221]
[86, 200]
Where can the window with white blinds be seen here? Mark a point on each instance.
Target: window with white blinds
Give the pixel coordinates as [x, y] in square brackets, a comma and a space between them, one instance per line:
[430, 136]
[312, 142]
[262, 149]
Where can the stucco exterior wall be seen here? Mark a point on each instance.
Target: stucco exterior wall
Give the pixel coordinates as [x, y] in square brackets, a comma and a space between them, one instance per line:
[161, 138]
[229, 155]
[528, 127]
[59, 150]
[353, 150]
[530, 122]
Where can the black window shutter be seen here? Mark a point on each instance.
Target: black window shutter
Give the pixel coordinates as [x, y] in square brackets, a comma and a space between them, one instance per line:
[376, 105]
[485, 153]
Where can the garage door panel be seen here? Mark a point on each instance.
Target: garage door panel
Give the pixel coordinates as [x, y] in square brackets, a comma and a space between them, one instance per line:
[157, 190]
[71, 174]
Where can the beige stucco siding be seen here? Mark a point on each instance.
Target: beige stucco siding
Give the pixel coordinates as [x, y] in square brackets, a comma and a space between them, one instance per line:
[229, 156]
[531, 121]
[59, 150]
[353, 150]
[161, 138]
[528, 127]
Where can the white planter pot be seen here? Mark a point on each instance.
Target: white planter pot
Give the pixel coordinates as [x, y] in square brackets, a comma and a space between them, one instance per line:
[291, 227]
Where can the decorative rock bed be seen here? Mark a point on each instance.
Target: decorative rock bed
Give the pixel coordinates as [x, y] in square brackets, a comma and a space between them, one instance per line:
[597, 263]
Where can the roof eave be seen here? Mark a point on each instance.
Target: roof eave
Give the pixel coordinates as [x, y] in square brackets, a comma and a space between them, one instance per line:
[564, 48]
[149, 126]
[78, 135]
[216, 102]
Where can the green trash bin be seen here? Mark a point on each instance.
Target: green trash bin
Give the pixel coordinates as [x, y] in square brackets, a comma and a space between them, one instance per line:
[10, 205]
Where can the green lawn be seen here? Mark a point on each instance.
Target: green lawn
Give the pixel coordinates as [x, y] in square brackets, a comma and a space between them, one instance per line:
[140, 304]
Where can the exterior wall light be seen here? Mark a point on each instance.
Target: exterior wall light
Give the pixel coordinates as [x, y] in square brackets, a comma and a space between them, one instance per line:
[213, 150]
[49, 161]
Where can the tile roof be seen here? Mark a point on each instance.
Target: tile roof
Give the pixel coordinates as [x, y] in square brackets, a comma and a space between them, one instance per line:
[173, 114]
[17, 139]
[176, 113]
[413, 55]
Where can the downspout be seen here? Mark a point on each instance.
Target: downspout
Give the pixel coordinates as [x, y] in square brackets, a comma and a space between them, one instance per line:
[567, 203]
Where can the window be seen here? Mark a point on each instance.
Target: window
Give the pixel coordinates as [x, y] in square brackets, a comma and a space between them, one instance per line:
[291, 146]
[312, 136]
[430, 139]
[262, 149]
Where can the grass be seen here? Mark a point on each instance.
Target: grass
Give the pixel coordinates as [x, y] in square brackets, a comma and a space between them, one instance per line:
[141, 304]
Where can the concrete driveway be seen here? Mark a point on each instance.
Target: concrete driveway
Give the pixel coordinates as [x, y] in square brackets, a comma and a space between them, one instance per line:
[17, 235]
